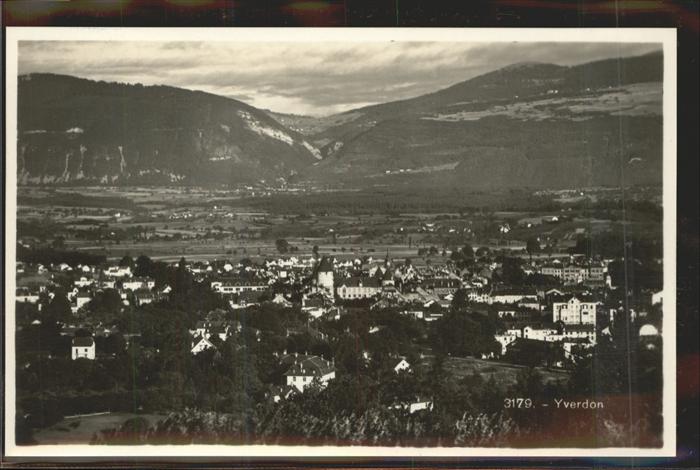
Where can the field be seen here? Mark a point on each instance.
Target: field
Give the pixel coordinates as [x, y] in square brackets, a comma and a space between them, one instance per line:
[505, 374]
[172, 222]
[80, 430]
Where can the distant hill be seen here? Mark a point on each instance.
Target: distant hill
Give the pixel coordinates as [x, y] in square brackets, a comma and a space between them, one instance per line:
[73, 130]
[525, 125]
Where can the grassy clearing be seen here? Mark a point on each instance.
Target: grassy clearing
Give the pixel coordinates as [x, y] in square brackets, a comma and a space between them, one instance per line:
[505, 374]
[80, 430]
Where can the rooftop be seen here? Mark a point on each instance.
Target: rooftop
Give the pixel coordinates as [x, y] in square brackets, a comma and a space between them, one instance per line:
[310, 366]
[83, 341]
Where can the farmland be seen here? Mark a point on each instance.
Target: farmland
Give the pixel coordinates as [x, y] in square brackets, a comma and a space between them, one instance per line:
[167, 223]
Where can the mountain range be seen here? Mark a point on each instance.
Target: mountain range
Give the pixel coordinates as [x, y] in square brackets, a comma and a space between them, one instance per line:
[530, 125]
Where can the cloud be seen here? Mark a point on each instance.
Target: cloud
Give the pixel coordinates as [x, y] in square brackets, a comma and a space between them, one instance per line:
[302, 78]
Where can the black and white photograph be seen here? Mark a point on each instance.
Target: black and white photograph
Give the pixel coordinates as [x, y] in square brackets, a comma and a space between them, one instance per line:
[317, 241]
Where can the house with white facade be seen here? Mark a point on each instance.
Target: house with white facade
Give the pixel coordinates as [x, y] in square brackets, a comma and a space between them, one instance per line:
[83, 347]
[402, 365]
[305, 370]
[138, 283]
[118, 271]
[575, 311]
[24, 295]
[200, 344]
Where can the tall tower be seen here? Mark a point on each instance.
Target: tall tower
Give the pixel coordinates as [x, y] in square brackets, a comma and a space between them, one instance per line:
[324, 275]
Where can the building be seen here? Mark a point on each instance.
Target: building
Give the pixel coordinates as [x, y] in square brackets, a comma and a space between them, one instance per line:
[596, 274]
[578, 332]
[442, 286]
[305, 370]
[511, 295]
[246, 299]
[576, 348]
[314, 305]
[238, 286]
[479, 296]
[357, 287]
[222, 329]
[84, 281]
[553, 270]
[413, 406]
[526, 314]
[143, 297]
[24, 295]
[505, 340]
[575, 311]
[80, 300]
[200, 344]
[137, 283]
[108, 283]
[324, 276]
[402, 365]
[388, 279]
[83, 347]
[118, 271]
[279, 299]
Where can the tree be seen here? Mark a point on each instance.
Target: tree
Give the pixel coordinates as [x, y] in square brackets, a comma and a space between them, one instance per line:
[58, 310]
[126, 261]
[282, 245]
[511, 273]
[58, 243]
[182, 278]
[144, 266]
[483, 252]
[314, 250]
[460, 299]
[468, 252]
[462, 334]
[532, 247]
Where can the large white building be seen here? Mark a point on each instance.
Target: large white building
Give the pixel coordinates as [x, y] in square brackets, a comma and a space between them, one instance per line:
[593, 272]
[238, 286]
[358, 288]
[574, 312]
[580, 335]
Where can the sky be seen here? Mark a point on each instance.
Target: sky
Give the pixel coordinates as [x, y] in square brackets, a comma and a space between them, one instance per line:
[315, 78]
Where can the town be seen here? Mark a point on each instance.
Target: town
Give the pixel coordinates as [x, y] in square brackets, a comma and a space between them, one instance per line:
[275, 328]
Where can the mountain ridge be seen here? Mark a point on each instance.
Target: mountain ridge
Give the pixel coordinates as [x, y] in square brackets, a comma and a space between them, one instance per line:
[487, 131]
[523, 125]
[73, 129]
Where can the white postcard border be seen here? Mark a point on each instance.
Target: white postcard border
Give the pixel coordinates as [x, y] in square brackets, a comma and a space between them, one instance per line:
[665, 36]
